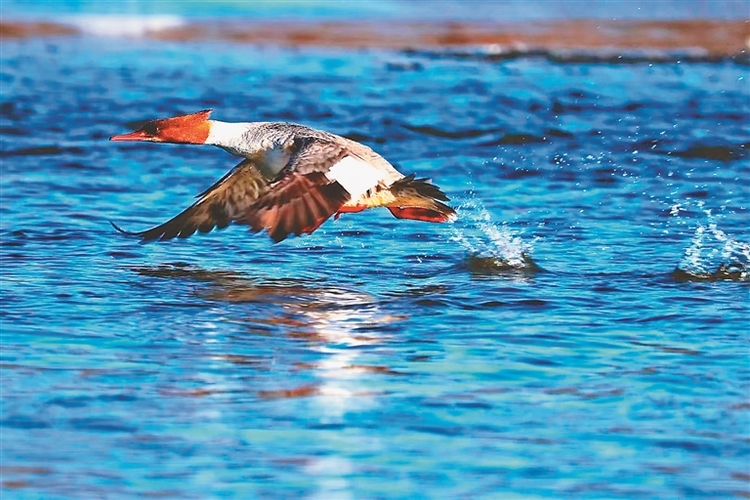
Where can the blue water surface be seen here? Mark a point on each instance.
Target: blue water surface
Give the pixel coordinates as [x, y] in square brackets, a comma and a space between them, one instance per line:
[579, 332]
[504, 11]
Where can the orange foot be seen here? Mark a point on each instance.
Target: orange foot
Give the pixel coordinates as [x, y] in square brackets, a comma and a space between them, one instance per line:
[423, 214]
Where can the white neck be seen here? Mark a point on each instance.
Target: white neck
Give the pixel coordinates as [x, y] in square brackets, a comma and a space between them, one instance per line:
[234, 137]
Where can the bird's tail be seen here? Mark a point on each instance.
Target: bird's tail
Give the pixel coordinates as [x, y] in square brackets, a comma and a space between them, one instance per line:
[418, 199]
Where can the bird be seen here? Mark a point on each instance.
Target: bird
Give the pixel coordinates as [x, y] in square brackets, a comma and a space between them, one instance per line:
[292, 178]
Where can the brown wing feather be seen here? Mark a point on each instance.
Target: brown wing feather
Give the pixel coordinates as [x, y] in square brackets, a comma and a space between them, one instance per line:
[297, 204]
[301, 198]
[226, 201]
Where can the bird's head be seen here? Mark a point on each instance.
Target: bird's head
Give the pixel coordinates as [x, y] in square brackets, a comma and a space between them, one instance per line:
[184, 129]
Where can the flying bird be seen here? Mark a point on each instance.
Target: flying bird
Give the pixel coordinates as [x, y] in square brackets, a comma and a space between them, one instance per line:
[292, 179]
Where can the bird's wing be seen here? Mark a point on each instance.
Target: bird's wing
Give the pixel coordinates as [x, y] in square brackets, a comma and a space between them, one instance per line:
[226, 201]
[318, 179]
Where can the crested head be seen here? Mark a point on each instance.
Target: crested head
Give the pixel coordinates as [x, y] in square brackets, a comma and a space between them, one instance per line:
[184, 129]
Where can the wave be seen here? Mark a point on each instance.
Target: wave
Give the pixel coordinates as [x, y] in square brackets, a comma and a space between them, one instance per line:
[718, 152]
[94, 25]
[580, 55]
[125, 26]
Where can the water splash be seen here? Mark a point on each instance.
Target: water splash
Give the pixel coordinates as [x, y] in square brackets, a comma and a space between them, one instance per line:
[714, 256]
[489, 246]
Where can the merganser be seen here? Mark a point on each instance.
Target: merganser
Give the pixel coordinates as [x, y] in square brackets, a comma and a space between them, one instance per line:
[292, 179]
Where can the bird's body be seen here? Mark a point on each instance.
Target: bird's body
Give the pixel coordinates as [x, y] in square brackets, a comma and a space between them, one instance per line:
[291, 180]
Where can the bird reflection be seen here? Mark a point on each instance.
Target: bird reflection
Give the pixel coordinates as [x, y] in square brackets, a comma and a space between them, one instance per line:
[330, 320]
[334, 318]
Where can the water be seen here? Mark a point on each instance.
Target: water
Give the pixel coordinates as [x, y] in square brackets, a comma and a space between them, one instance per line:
[579, 332]
[91, 15]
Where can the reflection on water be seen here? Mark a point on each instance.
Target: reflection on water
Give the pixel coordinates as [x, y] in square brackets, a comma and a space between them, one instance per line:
[335, 322]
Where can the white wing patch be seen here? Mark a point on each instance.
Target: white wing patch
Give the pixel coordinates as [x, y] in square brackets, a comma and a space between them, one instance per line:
[355, 175]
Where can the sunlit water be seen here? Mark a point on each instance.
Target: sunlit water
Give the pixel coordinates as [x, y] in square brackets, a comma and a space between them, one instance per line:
[579, 332]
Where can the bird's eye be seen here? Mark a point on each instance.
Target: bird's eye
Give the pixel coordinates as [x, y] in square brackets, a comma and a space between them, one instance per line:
[150, 128]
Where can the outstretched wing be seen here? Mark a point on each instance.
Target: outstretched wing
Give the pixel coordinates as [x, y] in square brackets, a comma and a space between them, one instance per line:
[226, 201]
[319, 178]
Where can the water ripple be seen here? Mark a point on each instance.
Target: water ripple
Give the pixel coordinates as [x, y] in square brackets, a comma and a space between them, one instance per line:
[545, 331]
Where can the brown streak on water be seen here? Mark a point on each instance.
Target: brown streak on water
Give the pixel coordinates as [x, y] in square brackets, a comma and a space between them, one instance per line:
[14, 485]
[373, 369]
[15, 29]
[714, 37]
[20, 469]
[298, 392]
[710, 37]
